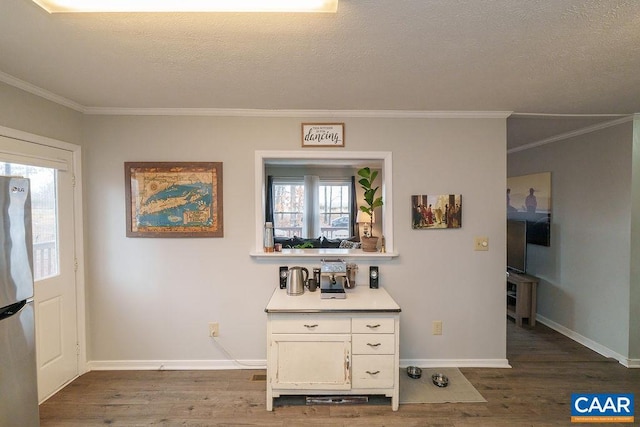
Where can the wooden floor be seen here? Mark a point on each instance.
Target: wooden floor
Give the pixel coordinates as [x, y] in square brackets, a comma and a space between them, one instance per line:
[547, 368]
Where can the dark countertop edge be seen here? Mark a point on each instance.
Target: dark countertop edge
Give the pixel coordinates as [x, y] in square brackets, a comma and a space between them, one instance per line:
[363, 310]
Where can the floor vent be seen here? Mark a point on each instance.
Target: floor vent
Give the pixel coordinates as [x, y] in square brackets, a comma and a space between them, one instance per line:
[259, 377]
[335, 400]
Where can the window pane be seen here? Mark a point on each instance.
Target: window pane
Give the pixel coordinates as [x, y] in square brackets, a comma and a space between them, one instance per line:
[332, 214]
[335, 210]
[44, 216]
[288, 209]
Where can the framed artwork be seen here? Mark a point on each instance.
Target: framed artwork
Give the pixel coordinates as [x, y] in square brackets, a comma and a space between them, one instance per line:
[174, 199]
[441, 211]
[529, 198]
[323, 134]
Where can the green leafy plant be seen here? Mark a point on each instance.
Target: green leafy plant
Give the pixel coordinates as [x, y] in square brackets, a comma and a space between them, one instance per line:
[366, 182]
[305, 245]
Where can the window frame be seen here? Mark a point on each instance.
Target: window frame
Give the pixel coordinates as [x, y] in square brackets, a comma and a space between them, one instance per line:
[310, 218]
[382, 158]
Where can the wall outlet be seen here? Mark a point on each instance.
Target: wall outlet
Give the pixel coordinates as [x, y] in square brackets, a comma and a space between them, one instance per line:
[437, 327]
[214, 329]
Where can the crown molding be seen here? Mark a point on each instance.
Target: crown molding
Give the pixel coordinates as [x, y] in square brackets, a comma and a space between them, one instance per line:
[239, 112]
[562, 116]
[38, 91]
[573, 133]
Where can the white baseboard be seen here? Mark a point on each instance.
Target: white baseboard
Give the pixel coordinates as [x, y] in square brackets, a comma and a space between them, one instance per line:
[184, 365]
[173, 365]
[597, 347]
[455, 363]
[633, 363]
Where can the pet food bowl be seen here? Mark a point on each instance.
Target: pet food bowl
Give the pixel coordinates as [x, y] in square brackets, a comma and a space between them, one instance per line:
[414, 372]
[440, 380]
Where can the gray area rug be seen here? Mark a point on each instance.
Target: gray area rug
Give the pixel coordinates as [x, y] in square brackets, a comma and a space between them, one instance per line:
[422, 390]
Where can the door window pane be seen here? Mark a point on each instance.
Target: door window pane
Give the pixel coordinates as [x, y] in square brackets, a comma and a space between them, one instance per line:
[44, 216]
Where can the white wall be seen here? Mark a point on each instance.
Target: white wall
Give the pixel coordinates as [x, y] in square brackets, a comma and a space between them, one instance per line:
[30, 113]
[151, 299]
[585, 272]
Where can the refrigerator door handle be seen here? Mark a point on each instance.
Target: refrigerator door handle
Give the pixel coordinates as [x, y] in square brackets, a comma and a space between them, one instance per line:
[12, 309]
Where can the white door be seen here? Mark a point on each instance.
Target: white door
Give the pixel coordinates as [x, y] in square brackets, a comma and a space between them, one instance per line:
[53, 257]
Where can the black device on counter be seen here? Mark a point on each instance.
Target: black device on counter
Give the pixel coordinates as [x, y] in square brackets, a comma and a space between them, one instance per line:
[373, 277]
[284, 270]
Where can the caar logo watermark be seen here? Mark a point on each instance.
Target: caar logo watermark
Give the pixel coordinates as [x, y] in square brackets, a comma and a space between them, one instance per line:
[601, 408]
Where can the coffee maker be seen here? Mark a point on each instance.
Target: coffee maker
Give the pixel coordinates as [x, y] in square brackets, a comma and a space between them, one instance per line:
[333, 278]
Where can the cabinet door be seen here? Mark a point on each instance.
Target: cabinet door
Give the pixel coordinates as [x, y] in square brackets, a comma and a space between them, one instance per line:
[310, 361]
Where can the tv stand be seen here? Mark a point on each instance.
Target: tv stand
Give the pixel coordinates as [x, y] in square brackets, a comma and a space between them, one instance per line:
[521, 297]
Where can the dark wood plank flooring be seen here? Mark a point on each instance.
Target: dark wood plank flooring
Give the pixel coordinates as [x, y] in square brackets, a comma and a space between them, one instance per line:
[547, 368]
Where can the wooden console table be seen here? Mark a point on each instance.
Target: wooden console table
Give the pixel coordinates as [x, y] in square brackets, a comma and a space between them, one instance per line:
[521, 297]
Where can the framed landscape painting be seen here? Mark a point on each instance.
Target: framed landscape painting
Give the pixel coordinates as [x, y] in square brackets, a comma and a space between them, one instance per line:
[436, 212]
[174, 199]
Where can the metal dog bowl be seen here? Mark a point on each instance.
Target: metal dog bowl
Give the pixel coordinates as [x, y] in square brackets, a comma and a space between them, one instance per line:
[440, 380]
[414, 372]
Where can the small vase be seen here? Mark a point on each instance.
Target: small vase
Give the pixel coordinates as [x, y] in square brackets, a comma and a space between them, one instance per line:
[369, 244]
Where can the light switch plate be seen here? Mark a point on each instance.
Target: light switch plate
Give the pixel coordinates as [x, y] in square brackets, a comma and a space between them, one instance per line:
[481, 244]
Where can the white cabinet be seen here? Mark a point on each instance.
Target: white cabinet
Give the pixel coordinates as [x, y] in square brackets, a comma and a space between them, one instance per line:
[310, 361]
[333, 347]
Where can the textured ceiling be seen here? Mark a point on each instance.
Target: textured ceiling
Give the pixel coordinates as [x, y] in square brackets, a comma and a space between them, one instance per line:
[546, 56]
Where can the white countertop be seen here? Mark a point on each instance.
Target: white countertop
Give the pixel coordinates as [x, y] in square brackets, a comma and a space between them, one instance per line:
[360, 298]
[323, 252]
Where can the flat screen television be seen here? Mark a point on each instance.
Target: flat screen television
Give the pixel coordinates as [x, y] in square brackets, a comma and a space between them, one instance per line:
[517, 246]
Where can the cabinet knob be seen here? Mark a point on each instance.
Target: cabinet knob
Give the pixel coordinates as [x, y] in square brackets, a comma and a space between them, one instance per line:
[373, 373]
[311, 326]
[373, 345]
[373, 326]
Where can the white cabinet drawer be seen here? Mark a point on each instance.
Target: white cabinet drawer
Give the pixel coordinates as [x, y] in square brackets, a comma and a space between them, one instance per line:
[311, 325]
[373, 343]
[373, 325]
[372, 371]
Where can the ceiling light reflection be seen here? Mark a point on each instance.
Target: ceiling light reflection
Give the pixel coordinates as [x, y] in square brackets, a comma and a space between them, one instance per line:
[79, 6]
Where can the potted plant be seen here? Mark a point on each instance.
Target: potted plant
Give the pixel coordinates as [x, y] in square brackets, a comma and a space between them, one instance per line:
[369, 243]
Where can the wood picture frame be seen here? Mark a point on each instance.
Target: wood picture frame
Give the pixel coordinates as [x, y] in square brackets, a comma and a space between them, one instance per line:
[436, 212]
[323, 134]
[174, 199]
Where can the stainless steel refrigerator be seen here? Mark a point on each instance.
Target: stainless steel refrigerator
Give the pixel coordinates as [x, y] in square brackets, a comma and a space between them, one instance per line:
[18, 377]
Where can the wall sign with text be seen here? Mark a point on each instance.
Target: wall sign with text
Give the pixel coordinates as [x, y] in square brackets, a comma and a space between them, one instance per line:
[323, 134]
